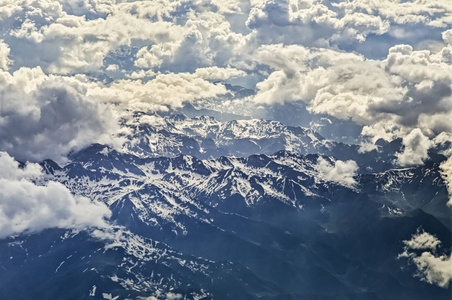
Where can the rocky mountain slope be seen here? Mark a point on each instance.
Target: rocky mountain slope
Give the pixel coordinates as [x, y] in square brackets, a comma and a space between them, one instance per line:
[207, 226]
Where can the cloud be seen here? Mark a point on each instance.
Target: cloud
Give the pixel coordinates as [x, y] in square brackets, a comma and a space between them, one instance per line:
[447, 36]
[216, 73]
[415, 151]
[67, 37]
[48, 116]
[422, 241]
[162, 91]
[173, 296]
[206, 39]
[391, 97]
[76, 36]
[446, 173]
[423, 249]
[79, 39]
[54, 47]
[87, 7]
[4, 56]
[365, 26]
[340, 172]
[310, 23]
[434, 13]
[153, 55]
[10, 169]
[26, 207]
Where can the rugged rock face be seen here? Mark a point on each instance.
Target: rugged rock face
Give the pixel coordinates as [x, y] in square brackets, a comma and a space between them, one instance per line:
[218, 223]
[153, 135]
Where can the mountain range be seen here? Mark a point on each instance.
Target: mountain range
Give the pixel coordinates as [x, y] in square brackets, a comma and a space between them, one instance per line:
[239, 209]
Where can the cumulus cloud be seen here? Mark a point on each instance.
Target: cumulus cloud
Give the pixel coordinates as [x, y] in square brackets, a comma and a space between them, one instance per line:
[340, 172]
[367, 26]
[206, 39]
[60, 44]
[415, 151]
[311, 23]
[434, 267]
[447, 36]
[164, 90]
[4, 56]
[65, 43]
[391, 97]
[217, 73]
[26, 207]
[151, 55]
[435, 13]
[46, 116]
[67, 37]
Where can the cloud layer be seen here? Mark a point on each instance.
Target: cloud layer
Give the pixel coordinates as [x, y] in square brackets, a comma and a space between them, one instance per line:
[28, 207]
[385, 65]
[407, 89]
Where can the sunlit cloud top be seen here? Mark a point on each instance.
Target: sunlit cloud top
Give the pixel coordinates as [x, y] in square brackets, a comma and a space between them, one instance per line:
[70, 69]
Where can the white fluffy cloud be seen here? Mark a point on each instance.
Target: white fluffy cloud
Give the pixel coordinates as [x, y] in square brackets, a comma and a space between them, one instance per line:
[434, 13]
[164, 90]
[407, 90]
[423, 249]
[4, 56]
[160, 53]
[347, 23]
[415, 151]
[340, 172]
[206, 39]
[447, 36]
[27, 207]
[50, 103]
[69, 37]
[311, 23]
[405, 93]
[65, 43]
[47, 116]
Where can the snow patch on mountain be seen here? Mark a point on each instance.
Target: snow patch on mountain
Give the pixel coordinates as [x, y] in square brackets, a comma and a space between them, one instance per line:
[446, 173]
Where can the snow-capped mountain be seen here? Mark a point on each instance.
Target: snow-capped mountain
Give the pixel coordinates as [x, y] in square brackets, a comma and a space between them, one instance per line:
[261, 227]
[154, 135]
[225, 150]
[205, 137]
[217, 223]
